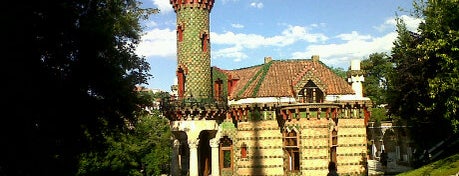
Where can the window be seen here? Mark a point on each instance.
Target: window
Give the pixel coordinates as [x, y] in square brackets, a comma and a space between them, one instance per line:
[244, 151]
[226, 153]
[181, 82]
[292, 150]
[310, 93]
[334, 144]
[180, 33]
[218, 89]
[204, 41]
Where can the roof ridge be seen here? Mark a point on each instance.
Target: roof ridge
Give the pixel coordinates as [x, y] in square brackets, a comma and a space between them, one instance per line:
[248, 67]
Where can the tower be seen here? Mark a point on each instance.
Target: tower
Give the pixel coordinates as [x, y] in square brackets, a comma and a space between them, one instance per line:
[193, 48]
[195, 115]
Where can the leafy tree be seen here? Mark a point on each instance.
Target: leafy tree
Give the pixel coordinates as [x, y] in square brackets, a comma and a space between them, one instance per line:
[145, 149]
[423, 87]
[339, 71]
[69, 71]
[440, 48]
[407, 90]
[376, 69]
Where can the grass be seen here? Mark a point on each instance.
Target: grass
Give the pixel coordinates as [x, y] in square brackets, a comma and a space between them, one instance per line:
[447, 166]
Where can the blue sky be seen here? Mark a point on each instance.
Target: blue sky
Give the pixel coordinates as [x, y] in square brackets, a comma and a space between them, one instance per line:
[243, 32]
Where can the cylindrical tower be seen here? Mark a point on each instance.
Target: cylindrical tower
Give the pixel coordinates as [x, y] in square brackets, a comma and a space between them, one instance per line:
[193, 48]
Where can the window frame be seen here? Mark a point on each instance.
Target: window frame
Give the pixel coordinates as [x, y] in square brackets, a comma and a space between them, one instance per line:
[292, 149]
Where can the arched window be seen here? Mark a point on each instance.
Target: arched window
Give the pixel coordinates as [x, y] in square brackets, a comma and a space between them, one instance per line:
[204, 41]
[181, 78]
[179, 33]
[226, 153]
[334, 144]
[291, 148]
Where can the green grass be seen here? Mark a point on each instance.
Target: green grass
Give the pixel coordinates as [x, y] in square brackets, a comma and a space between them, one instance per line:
[447, 166]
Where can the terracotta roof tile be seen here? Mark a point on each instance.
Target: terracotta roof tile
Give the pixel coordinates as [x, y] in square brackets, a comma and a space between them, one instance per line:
[283, 76]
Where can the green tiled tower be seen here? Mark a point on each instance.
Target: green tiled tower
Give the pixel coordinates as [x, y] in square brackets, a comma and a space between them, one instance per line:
[193, 47]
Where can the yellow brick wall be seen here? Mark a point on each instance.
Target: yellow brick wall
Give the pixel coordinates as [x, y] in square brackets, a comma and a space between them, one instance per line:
[264, 148]
[265, 154]
[352, 149]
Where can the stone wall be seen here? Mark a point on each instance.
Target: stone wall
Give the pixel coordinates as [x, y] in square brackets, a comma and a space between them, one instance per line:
[265, 153]
[314, 145]
[352, 148]
[264, 148]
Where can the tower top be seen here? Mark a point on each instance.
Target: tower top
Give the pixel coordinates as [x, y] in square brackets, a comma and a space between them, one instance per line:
[204, 4]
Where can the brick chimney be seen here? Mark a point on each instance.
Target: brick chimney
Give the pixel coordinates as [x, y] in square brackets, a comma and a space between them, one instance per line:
[268, 59]
[315, 58]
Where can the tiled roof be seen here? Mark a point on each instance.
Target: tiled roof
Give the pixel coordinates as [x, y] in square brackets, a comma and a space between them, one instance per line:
[281, 78]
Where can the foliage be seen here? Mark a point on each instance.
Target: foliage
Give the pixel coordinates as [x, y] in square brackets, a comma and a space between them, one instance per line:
[376, 72]
[379, 114]
[423, 87]
[339, 71]
[446, 166]
[239, 94]
[70, 71]
[440, 48]
[264, 71]
[145, 149]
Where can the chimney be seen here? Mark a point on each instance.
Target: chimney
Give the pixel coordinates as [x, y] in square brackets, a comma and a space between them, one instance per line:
[355, 64]
[315, 58]
[356, 78]
[268, 59]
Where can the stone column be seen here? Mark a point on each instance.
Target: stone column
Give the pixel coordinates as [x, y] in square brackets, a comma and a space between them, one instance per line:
[194, 168]
[175, 169]
[214, 143]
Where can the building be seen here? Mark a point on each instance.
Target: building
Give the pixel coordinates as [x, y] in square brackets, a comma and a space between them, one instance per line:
[282, 117]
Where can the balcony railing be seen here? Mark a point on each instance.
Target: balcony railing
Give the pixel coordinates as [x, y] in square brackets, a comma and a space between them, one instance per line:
[174, 103]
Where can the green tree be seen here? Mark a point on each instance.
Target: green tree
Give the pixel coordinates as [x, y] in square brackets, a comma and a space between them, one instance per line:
[423, 87]
[143, 150]
[407, 86]
[340, 72]
[376, 69]
[440, 49]
[70, 70]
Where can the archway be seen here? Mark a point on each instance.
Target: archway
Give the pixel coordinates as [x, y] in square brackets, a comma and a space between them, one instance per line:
[204, 152]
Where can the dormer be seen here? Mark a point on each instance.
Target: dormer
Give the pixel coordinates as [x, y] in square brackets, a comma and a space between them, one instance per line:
[310, 93]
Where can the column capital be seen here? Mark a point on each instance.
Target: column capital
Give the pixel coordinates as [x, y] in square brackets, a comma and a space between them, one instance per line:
[193, 143]
[214, 143]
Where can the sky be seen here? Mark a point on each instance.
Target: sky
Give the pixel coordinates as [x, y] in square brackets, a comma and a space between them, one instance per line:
[243, 32]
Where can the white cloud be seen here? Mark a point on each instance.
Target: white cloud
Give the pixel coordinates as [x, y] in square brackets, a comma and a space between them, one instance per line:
[151, 24]
[232, 52]
[315, 25]
[163, 5]
[158, 42]
[289, 36]
[239, 26]
[356, 46]
[302, 33]
[354, 35]
[412, 23]
[239, 42]
[258, 5]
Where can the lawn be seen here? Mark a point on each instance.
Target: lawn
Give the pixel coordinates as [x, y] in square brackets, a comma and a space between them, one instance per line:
[447, 166]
